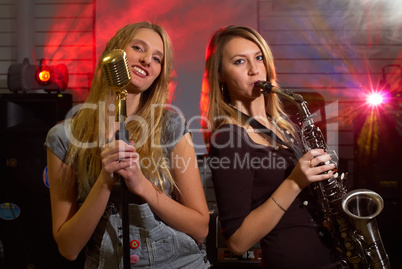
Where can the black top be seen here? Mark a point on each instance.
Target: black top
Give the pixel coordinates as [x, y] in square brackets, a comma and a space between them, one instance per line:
[245, 174]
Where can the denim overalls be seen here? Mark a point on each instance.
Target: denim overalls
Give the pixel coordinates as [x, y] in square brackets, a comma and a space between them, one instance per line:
[153, 244]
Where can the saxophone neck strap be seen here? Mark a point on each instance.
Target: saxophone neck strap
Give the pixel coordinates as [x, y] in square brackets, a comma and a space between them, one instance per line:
[261, 128]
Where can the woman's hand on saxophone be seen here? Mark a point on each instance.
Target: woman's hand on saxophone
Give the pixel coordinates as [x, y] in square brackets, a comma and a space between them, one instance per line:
[313, 166]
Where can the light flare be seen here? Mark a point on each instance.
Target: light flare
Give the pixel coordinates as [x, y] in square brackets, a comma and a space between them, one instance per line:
[376, 98]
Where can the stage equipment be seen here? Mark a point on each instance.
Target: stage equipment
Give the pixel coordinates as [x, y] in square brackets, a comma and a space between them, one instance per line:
[26, 77]
[393, 97]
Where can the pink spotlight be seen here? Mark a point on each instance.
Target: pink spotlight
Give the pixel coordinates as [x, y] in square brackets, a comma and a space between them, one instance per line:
[375, 99]
[378, 98]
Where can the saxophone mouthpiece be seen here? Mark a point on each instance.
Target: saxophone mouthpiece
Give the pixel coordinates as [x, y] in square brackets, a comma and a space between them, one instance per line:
[265, 86]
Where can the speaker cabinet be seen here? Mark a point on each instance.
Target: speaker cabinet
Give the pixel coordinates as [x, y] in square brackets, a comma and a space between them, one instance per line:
[25, 216]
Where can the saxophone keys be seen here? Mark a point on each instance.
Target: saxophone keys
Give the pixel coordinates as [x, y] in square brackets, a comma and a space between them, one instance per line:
[321, 234]
[353, 259]
[349, 246]
[344, 235]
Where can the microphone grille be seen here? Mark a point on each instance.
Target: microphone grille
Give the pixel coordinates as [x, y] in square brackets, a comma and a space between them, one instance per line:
[116, 69]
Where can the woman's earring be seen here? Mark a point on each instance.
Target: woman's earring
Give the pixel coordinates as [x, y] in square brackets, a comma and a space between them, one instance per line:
[222, 88]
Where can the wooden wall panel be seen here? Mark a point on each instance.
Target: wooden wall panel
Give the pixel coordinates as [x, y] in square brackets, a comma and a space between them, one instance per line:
[7, 39]
[6, 10]
[7, 25]
[82, 9]
[75, 38]
[7, 29]
[63, 25]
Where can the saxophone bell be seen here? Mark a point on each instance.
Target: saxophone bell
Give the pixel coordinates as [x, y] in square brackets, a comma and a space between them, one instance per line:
[362, 206]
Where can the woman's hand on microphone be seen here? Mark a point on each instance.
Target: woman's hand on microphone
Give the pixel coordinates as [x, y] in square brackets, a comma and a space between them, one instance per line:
[135, 180]
[115, 156]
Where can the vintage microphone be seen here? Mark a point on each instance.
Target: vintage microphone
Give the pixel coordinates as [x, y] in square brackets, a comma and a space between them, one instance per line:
[116, 70]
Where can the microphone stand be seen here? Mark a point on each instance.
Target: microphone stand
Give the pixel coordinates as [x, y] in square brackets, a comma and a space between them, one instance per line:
[122, 134]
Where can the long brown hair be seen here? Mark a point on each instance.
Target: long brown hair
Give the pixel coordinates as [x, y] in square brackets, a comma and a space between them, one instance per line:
[86, 126]
[215, 97]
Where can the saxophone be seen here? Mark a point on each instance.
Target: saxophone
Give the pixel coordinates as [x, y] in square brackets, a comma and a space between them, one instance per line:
[349, 216]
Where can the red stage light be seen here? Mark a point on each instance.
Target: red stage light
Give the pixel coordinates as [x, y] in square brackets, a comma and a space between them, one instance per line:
[44, 76]
[26, 77]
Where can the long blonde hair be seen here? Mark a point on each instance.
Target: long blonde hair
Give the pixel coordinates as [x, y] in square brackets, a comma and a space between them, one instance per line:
[85, 126]
[215, 98]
